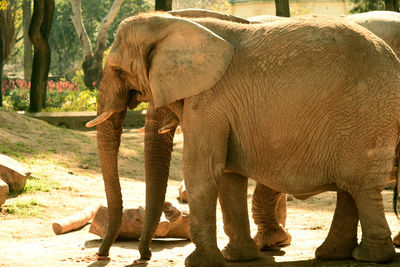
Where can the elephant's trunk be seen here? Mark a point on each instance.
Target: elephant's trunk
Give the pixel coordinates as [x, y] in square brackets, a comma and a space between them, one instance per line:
[109, 139]
[158, 148]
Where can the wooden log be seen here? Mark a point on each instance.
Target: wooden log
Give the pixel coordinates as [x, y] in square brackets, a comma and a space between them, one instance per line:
[73, 222]
[131, 225]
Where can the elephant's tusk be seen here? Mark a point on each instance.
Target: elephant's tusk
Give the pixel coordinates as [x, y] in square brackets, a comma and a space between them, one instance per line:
[99, 119]
[167, 127]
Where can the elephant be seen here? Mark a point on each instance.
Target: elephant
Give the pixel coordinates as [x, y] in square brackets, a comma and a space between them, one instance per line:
[296, 105]
[268, 206]
[384, 24]
[269, 218]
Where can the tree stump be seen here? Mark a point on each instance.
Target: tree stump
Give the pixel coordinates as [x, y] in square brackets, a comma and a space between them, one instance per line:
[13, 173]
[172, 224]
[178, 222]
[4, 190]
[131, 226]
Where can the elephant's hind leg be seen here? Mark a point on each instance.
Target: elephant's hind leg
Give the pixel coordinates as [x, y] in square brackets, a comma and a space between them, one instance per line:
[233, 199]
[376, 243]
[342, 236]
[269, 214]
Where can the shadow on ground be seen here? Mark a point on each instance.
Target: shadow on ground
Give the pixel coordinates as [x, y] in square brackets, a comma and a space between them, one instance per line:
[268, 256]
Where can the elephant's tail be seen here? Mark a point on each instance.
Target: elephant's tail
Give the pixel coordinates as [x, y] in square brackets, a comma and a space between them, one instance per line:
[397, 177]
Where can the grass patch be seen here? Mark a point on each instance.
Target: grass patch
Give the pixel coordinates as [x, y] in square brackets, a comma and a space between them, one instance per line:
[35, 184]
[17, 149]
[24, 208]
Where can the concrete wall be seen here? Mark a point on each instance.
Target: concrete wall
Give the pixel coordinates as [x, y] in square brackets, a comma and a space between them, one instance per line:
[77, 120]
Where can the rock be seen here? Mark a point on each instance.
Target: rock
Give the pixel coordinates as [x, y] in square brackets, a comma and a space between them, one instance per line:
[182, 192]
[396, 239]
[289, 198]
[13, 173]
[4, 190]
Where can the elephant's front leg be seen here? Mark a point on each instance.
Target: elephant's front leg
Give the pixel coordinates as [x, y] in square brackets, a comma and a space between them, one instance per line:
[342, 236]
[204, 160]
[233, 199]
[202, 195]
[269, 214]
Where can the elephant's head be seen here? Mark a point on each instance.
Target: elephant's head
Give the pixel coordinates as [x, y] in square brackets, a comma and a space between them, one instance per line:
[158, 59]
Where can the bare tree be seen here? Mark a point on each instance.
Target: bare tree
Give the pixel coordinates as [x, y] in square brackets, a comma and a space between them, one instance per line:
[282, 8]
[165, 5]
[26, 21]
[39, 32]
[92, 60]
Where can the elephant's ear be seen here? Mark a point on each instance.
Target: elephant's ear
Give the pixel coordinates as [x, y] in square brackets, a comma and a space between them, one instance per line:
[186, 61]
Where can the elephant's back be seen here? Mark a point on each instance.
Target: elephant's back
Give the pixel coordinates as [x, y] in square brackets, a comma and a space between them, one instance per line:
[325, 93]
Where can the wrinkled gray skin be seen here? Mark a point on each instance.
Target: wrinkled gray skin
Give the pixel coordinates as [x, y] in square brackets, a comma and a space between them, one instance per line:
[327, 111]
[268, 206]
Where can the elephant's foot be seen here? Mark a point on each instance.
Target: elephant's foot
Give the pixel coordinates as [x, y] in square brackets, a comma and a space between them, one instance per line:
[241, 251]
[145, 253]
[272, 237]
[336, 250]
[368, 251]
[205, 258]
[102, 258]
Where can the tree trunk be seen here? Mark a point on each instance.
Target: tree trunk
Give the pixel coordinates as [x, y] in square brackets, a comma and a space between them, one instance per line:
[282, 8]
[163, 5]
[7, 40]
[39, 32]
[26, 20]
[1, 56]
[89, 75]
[392, 5]
[93, 62]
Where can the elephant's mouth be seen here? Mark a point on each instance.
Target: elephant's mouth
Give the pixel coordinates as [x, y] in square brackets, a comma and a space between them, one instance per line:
[134, 97]
[133, 101]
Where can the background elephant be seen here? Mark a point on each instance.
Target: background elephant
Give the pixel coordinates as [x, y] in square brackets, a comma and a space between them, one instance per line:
[384, 24]
[211, 71]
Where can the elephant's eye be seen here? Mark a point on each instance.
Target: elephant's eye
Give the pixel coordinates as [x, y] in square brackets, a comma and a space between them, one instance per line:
[119, 72]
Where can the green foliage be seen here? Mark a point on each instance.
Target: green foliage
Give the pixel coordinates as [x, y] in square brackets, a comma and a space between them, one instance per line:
[216, 5]
[367, 5]
[20, 99]
[80, 101]
[299, 9]
[24, 208]
[3, 4]
[66, 50]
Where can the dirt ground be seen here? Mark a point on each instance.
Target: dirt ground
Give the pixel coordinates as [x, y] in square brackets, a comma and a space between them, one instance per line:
[31, 241]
